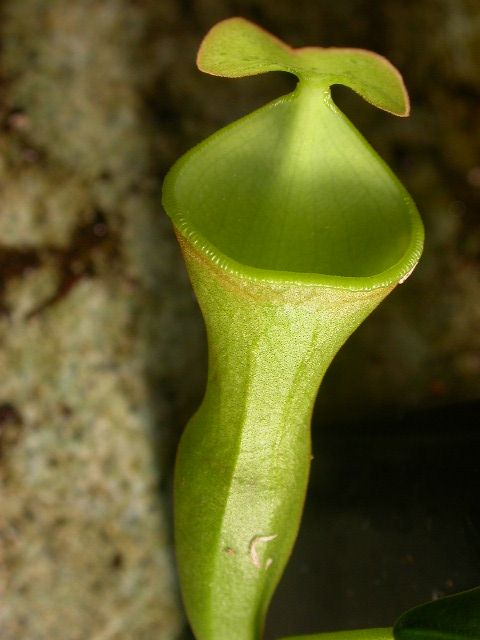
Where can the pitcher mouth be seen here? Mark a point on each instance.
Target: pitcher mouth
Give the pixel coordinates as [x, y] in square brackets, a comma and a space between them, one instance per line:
[232, 209]
[293, 192]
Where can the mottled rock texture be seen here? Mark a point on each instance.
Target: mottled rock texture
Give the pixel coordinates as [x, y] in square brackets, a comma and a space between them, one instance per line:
[101, 347]
[95, 324]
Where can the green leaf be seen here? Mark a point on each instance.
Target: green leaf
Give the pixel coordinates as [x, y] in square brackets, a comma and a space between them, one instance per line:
[455, 617]
[236, 47]
[293, 231]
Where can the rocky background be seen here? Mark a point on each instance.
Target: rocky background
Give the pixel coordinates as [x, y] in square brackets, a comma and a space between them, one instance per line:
[102, 352]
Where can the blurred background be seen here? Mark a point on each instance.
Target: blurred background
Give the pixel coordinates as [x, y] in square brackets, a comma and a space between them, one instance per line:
[102, 348]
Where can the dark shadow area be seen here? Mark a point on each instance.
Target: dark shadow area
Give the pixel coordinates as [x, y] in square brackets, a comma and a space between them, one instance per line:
[392, 520]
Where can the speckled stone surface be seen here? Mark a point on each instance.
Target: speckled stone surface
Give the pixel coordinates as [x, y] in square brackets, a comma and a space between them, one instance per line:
[94, 305]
